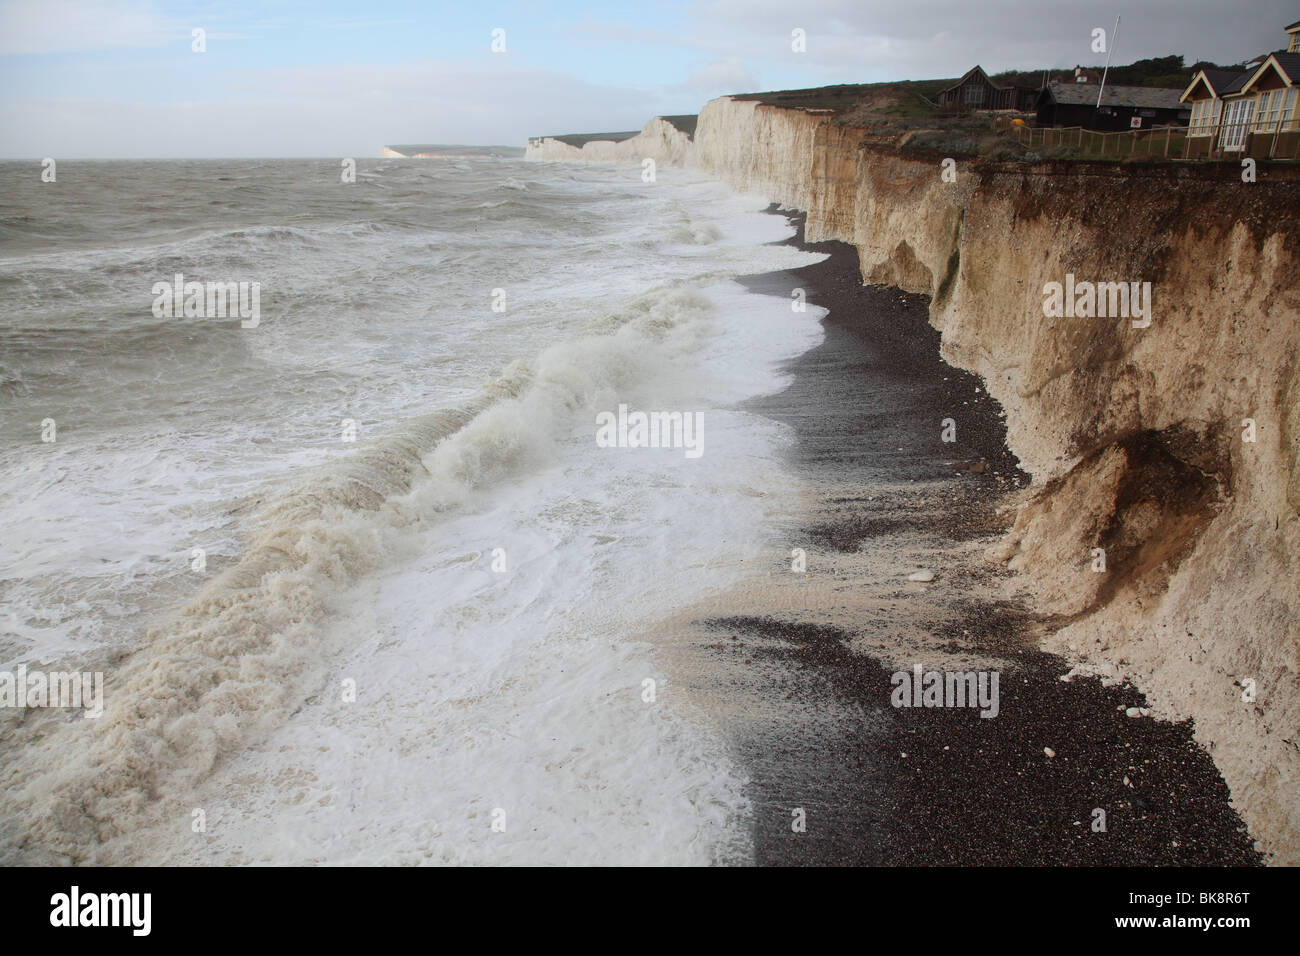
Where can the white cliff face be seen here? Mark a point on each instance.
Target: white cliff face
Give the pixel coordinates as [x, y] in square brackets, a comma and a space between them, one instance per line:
[1139, 437]
[758, 149]
[658, 140]
[1135, 436]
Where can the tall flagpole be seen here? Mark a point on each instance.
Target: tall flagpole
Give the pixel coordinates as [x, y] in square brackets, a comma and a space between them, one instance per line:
[1110, 48]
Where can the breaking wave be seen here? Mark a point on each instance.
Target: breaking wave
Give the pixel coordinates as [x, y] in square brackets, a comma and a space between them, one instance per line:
[234, 662]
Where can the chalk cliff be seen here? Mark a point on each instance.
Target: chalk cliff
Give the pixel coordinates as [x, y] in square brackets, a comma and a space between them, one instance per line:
[666, 140]
[1172, 448]
[1138, 439]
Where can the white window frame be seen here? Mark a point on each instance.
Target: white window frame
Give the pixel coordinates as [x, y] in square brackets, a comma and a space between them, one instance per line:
[1236, 121]
[1204, 114]
[1269, 101]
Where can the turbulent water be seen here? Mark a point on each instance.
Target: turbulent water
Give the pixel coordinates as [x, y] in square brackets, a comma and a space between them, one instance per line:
[362, 582]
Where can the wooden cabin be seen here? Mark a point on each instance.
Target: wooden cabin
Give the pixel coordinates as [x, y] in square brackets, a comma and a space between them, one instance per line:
[975, 91]
[1122, 107]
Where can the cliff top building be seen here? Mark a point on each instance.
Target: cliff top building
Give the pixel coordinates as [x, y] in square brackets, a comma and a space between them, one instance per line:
[1122, 107]
[975, 91]
[1252, 111]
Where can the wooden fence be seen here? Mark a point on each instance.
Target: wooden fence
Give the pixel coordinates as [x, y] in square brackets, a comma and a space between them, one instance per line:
[1276, 141]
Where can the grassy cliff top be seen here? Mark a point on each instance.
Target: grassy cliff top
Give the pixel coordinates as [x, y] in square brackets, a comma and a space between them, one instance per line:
[581, 139]
[684, 122]
[851, 96]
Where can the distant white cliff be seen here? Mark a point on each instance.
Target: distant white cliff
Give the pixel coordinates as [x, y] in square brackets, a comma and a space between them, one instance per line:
[667, 140]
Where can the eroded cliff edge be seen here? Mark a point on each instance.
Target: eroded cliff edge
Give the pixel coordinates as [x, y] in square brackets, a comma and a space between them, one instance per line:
[1136, 437]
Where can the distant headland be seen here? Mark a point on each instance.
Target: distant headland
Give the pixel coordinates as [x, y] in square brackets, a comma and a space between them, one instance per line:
[451, 152]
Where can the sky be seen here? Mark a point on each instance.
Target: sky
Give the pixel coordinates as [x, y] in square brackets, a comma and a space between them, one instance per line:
[122, 78]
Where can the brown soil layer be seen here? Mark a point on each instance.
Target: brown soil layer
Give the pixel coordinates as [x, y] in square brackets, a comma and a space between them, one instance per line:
[804, 677]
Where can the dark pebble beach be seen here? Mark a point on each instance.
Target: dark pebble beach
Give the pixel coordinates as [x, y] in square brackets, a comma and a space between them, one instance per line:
[810, 717]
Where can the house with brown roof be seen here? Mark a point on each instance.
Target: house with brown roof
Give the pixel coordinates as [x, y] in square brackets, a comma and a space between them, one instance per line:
[1251, 112]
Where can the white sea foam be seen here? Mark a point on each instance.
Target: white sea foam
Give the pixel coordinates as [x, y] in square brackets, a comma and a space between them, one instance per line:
[477, 690]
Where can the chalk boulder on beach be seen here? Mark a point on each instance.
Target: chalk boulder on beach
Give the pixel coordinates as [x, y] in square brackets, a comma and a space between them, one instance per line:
[924, 576]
